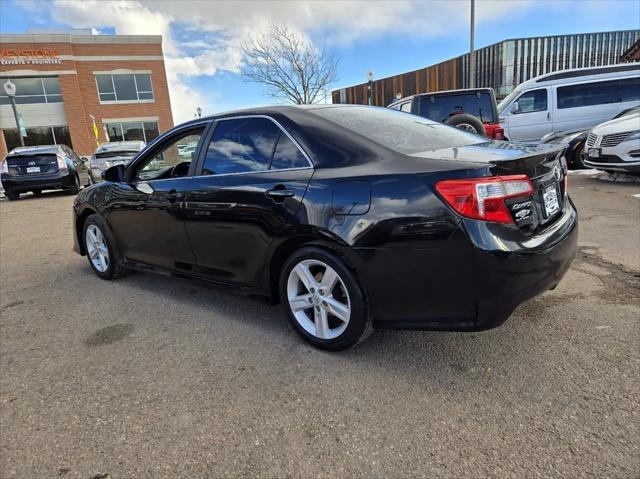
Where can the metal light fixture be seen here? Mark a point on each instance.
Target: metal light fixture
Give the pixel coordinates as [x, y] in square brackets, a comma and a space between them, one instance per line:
[10, 90]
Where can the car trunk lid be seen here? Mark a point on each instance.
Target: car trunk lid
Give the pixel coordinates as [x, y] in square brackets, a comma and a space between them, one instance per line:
[29, 165]
[542, 164]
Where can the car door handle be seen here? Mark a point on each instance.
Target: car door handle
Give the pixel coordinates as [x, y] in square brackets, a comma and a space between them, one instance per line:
[548, 116]
[280, 193]
[173, 195]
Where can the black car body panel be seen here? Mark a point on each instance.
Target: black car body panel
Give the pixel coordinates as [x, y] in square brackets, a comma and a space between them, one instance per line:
[420, 264]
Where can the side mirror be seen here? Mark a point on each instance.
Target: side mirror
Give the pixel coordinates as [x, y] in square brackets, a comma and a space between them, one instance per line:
[115, 174]
[514, 107]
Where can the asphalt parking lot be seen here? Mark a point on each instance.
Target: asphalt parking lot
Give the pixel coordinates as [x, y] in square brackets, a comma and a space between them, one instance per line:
[152, 376]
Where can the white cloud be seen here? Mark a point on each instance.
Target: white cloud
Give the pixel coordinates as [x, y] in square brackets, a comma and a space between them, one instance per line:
[213, 31]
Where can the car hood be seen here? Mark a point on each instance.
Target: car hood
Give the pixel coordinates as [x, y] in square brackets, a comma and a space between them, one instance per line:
[491, 152]
[624, 123]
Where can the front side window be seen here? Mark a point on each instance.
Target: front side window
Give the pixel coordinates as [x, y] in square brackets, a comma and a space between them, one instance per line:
[241, 145]
[531, 101]
[124, 87]
[599, 93]
[31, 90]
[181, 149]
[406, 134]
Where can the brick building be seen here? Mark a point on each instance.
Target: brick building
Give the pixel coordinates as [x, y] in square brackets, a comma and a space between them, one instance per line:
[64, 79]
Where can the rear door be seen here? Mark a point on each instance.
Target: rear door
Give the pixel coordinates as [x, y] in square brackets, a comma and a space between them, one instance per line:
[531, 116]
[247, 189]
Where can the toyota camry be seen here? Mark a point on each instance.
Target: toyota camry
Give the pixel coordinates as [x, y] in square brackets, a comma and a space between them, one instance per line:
[353, 217]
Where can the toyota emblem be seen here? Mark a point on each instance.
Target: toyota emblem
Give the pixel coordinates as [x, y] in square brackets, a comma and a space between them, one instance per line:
[557, 172]
[32, 163]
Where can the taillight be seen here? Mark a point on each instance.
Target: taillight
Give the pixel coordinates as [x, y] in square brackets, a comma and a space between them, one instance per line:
[483, 198]
[4, 168]
[498, 134]
[62, 165]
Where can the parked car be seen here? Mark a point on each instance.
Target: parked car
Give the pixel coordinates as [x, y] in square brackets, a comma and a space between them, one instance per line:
[574, 141]
[569, 100]
[615, 145]
[38, 168]
[110, 154]
[473, 110]
[354, 217]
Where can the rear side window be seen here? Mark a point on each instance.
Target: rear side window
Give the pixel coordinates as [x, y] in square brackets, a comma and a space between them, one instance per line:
[599, 93]
[406, 107]
[241, 145]
[287, 155]
[441, 107]
[398, 131]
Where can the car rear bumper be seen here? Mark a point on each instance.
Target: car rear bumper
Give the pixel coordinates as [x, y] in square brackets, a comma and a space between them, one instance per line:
[474, 285]
[22, 184]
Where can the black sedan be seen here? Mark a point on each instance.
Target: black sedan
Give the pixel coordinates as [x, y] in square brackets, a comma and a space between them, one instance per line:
[354, 217]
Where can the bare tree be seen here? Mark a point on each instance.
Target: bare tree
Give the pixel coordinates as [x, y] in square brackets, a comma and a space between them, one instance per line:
[288, 65]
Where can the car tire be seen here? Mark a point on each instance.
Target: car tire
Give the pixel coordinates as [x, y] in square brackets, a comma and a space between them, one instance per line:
[105, 263]
[12, 196]
[37, 192]
[329, 312]
[75, 189]
[577, 161]
[466, 122]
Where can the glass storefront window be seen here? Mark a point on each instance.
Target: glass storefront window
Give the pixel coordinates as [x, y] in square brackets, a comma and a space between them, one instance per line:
[31, 90]
[132, 131]
[41, 135]
[124, 87]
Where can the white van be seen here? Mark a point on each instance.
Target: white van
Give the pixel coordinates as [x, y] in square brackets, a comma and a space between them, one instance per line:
[569, 100]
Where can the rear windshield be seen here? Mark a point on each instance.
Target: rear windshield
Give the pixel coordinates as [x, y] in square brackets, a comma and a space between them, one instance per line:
[398, 131]
[111, 154]
[441, 107]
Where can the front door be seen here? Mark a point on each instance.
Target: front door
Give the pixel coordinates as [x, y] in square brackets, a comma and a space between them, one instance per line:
[530, 117]
[249, 187]
[147, 215]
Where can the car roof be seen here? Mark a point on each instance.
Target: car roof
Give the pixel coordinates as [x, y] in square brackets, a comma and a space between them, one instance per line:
[34, 150]
[577, 74]
[443, 92]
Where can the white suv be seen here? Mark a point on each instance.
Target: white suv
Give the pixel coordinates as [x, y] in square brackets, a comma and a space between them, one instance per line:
[615, 145]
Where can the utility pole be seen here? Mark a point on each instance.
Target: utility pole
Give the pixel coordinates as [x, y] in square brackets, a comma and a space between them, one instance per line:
[472, 53]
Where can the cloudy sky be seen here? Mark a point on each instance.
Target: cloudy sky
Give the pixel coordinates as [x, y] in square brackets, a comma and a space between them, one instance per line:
[202, 38]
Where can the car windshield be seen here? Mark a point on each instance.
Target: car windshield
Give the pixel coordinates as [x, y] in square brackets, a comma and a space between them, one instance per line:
[506, 100]
[398, 131]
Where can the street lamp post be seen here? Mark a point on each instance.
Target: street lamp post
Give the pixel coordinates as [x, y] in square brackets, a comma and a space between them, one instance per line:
[10, 90]
[370, 88]
[472, 53]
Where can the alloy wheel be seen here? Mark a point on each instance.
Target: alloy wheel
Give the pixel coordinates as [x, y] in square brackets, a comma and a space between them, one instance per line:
[97, 248]
[467, 127]
[318, 299]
